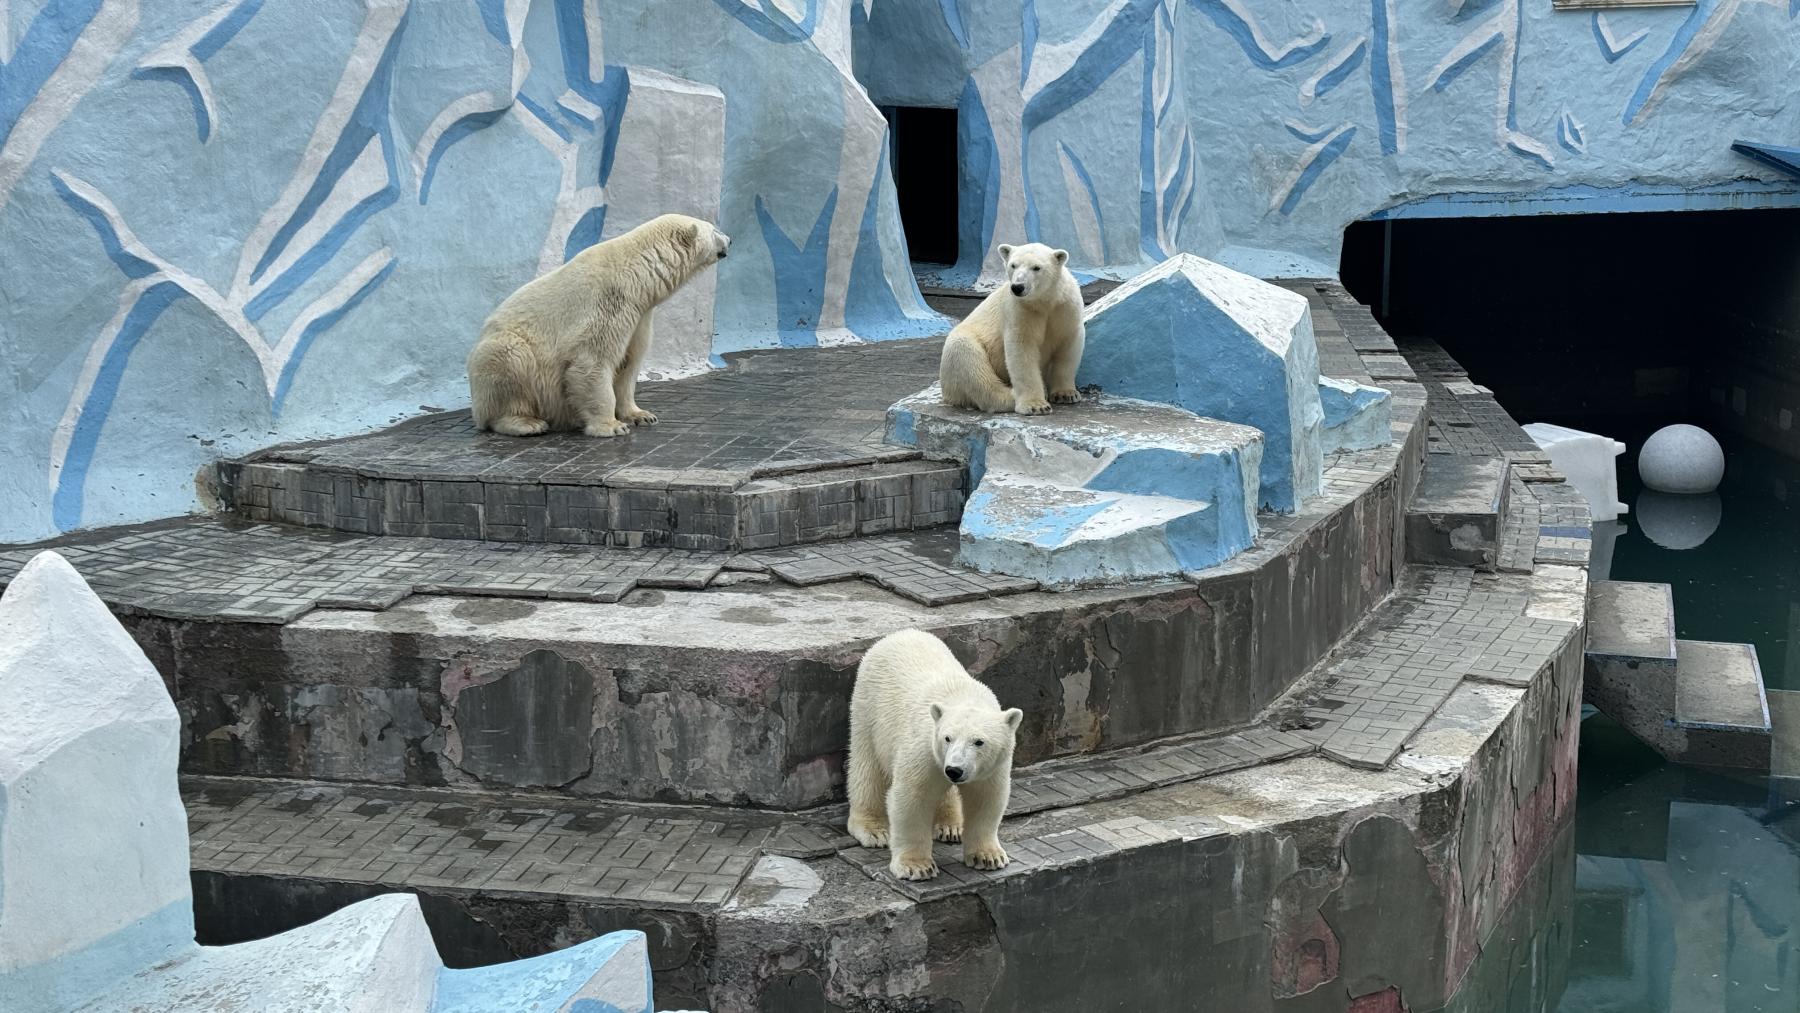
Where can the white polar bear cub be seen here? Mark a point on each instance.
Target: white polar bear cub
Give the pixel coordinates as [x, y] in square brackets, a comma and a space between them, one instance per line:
[1024, 338]
[563, 351]
[930, 756]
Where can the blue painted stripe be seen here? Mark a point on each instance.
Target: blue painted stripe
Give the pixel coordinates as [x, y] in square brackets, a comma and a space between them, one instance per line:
[132, 265]
[1147, 230]
[1549, 532]
[771, 22]
[180, 78]
[1312, 172]
[67, 505]
[1678, 45]
[1093, 197]
[309, 263]
[324, 323]
[368, 121]
[37, 53]
[1455, 70]
[493, 18]
[215, 38]
[799, 273]
[1381, 81]
[610, 91]
[1329, 80]
[1309, 136]
[1615, 55]
[586, 232]
[980, 176]
[1028, 30]
[953, 18]
[1241, 33]
[455, 132]
[1121, 39]
[545, 116]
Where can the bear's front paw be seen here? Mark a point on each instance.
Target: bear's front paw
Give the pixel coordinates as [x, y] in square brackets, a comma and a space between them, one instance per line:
[912, 867]
[1032, 406]
[640, 417]
[1068, 395]
[985, 856]
[606, 427]
[949, 833]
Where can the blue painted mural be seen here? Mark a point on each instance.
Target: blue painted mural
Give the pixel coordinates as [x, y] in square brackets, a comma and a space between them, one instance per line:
[233, 223]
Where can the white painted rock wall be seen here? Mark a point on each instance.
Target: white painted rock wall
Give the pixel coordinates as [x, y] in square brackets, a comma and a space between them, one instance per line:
[93, 838]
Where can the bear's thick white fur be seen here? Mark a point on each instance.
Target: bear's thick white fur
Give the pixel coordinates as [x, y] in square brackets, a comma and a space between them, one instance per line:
[917, 718]
[563, 351]
[1024, 339]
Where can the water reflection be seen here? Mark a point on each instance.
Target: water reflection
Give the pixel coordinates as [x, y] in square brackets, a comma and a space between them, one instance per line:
[1679, 522]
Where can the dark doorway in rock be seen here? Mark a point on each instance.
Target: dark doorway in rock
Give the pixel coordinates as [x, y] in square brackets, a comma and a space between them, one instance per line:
[925, 179]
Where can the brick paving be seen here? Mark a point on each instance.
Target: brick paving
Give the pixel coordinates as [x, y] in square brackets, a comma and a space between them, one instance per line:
[203, 569]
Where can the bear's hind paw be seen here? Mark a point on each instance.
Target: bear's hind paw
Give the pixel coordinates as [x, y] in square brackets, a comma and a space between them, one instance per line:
[639, 417]
[1032, 406]
[1069, 396]
[949, 833]
[869, 837]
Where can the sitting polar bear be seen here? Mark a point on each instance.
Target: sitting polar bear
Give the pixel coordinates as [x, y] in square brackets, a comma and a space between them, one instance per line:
[563, 351]
[930, 756]
[1026, 336]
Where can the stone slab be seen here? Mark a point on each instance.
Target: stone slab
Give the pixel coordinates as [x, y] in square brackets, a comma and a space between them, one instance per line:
[1720, 705]
[1628, 619]
[1455, 515]
[1784, 728]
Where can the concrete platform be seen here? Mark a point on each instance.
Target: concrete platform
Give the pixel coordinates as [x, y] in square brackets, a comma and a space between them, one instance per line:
[783, 447]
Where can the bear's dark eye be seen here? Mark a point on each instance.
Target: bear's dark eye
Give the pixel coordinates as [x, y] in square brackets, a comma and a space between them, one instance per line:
[977, 743]
[1034, 267]
[946, 738]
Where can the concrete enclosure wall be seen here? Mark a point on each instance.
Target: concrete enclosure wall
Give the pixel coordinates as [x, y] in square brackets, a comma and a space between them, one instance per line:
[231, 224]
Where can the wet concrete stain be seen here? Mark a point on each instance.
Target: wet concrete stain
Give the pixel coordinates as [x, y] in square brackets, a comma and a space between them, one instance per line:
[482, 611]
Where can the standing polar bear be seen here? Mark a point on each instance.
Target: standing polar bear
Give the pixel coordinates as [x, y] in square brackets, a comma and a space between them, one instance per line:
[1024, 338]
[563, 351]
[930, 756]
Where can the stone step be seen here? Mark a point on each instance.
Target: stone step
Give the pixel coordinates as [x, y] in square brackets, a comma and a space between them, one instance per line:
[1630, 666]
[1455, 516]
[1720, 705]
[642, 507]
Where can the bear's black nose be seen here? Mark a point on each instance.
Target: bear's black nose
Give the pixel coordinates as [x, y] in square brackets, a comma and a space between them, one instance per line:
[1018, 290]
[953, 773]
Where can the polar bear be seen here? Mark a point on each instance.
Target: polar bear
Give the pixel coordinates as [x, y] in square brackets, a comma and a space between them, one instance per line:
[563, 351]
[1026, 336]
[930, 756]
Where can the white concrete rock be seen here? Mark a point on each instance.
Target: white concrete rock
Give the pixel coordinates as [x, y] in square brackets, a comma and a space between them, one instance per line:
[1681, 459]
[93, 838]
[1586, 460]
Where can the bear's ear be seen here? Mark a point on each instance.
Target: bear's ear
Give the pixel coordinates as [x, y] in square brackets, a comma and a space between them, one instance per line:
[1013, 716]
[1062, 256]
[937, 713]
[1005, 252]
[688, 236]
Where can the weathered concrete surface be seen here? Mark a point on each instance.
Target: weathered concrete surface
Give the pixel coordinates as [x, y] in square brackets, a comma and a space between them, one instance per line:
[1631, 661]
[1454, 519]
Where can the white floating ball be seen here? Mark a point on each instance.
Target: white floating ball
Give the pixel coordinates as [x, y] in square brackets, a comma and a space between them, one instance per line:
[1681, 459]
[1678, 522]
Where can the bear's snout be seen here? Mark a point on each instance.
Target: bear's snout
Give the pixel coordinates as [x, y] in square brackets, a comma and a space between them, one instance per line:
[1018, 289]
[955, 774]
